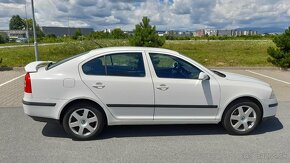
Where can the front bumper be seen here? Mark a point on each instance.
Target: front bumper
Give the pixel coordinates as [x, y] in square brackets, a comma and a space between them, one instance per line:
[269, 107]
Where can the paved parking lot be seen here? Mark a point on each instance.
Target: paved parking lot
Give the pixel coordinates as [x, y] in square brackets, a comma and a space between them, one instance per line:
[23, 140]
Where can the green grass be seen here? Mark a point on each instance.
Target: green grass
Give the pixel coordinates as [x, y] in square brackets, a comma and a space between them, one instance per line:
[19, 57]
[228, 53]
[13, 43]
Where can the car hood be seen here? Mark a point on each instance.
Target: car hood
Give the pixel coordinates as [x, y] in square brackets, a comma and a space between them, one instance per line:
[244, 78]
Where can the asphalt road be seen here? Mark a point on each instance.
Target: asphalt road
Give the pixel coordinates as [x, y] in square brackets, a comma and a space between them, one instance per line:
[23, 140]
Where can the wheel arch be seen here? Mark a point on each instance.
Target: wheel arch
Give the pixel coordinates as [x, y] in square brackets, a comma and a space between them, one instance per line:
[82, 100]
[250, 98]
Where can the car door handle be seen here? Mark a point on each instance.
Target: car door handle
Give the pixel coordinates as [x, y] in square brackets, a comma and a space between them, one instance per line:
[163, 87]
[99, 85]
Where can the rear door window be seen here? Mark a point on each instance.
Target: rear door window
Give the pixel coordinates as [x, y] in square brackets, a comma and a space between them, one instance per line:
[117, 64]
[95, 66]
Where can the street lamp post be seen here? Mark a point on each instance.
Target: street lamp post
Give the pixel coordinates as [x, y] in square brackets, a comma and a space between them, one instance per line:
[34, 32]
[27, 30]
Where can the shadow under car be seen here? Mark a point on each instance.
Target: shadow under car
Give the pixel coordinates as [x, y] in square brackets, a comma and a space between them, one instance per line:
[56, 130]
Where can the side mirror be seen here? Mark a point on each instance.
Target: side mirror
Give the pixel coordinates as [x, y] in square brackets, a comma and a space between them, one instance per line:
[203, 76]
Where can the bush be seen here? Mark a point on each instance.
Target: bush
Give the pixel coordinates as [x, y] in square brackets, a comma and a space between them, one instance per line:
[145, 35]
[280, 56]
[2, 39]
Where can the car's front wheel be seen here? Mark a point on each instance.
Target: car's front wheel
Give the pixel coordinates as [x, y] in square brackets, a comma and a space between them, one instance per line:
[242, 117]
[83, 121]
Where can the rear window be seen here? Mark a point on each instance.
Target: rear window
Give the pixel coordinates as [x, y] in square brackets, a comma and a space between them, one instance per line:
[52, 65]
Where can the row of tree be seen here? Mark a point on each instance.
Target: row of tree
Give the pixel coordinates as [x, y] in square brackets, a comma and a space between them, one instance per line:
[18, 23]
[145, 35]
[116, 33]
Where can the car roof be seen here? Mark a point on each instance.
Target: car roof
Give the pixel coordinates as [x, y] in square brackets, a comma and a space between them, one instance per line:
[129, 48]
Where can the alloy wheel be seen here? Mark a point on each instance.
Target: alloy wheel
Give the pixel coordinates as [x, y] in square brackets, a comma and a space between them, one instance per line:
[243, 118]
[83, 122]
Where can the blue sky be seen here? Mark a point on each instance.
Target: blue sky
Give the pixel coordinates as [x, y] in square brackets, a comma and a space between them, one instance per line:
[165, 14]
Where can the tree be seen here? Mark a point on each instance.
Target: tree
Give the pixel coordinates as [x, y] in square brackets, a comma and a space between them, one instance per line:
[39, 32]
[99, 35]
[145, 35]
[2, 39]
[77, 34]
[117, 33]
[280, 55]
[16, 23]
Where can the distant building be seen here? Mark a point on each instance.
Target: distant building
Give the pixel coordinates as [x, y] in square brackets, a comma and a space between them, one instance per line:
[180, 33]
[210, 32]
[14, 34]
[244, 33]
[65, 31]
[3, 34]
[129, 32]
[199, 33]
[161, 33]
[188, 33]
[225, 32]
[172, 32]
[107, 30]
[253, 33]
[237, 33]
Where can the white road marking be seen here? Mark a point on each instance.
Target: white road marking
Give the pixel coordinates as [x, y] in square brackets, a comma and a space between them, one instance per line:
[282, 81]
[11, 80]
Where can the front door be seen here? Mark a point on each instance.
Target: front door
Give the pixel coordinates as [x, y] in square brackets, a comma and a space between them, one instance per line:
[179, 94]
[121, 81]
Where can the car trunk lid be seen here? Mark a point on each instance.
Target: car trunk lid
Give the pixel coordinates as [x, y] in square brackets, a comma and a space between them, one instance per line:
[34, 66]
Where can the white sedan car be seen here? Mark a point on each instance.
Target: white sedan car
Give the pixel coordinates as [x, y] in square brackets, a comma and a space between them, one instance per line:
[142, 86]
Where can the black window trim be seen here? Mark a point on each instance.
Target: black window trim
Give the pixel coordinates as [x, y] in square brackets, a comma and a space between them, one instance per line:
[112, 53]
[161, 53]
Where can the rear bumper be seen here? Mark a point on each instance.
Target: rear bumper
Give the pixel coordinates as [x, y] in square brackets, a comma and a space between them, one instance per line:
[44, 110]
[37, 103]
[42, 119]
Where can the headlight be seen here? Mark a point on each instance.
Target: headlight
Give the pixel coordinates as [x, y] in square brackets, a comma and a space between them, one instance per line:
[272, 96]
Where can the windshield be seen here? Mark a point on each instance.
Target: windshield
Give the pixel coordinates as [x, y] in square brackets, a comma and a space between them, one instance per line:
[54, 64]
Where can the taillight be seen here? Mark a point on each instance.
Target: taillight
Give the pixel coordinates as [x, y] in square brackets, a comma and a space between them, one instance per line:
[27, 84]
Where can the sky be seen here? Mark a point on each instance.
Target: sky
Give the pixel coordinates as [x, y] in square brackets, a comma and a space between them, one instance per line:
[184, 15]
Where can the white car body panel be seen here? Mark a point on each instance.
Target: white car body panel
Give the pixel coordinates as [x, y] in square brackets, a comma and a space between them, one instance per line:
[66, 83]
[192, 92]
[123, 90]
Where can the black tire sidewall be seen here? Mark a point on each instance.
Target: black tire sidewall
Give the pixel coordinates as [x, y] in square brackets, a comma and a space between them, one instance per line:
[226, 119]
[71, 109]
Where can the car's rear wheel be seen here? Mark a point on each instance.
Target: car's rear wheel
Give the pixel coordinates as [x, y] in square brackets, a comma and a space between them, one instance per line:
[83, 121]
[242, 117]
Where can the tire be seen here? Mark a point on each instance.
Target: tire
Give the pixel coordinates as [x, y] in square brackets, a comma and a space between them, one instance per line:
[83, 121]
[242, 117]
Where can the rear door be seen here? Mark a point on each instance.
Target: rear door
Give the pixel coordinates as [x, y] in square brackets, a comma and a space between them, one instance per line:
[123, 82]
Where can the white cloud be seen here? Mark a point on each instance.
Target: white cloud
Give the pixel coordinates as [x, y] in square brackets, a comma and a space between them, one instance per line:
[165, 14]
